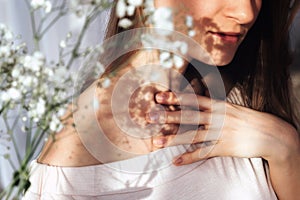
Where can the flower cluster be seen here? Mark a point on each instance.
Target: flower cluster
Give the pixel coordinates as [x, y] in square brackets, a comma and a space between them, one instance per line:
[44, 4]
[125, 9]
[37, 91]
[25, 81]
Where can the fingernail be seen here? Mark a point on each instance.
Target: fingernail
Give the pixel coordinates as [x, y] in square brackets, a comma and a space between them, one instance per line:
[178, 161]
[152, 117]
[161, 97]
[160, 142]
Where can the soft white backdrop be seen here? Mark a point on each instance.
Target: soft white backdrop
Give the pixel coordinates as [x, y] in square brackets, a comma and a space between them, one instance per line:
[15, 15]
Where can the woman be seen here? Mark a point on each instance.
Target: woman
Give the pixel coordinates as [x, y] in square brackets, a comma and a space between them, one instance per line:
[255, 157]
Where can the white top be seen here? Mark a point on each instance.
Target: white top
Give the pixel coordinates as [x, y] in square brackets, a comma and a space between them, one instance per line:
[153, 176]
[216, 178]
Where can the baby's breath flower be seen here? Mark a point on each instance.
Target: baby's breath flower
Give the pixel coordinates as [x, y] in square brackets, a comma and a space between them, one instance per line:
[178, 61]
[189, 21]
[55, 124]
[14, 94]
[121, 8]
[125, 23]
[63, 44]
[106, 83]
[192, 33]
[46, 5]
[15, 72]
[99, 69]
[165, 60]
[163, 19]
[135, 3]
[5, 51]
[149, 7]
[5, 96]
[35, 62]
[41, 107]
[130, 10]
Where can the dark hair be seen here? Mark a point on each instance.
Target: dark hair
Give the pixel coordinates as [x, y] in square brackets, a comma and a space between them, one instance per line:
[261, 64]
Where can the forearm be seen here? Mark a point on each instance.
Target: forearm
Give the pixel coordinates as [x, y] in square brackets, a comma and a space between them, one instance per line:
[285, 176]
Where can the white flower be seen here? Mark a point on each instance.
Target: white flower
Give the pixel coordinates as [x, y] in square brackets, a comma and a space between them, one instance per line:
[165, 60]
[63, 44]
[163, 19]
[181, 46]
[121, 8]
[30, 63]
[178, 61]
[38, 55]
[5, 51]
[135, 3]
[189, 21]
[15, 73]
[48, 72]
[164, 56]
[14, 94]
[35, 62]
[29, 81]
[48, 6]
[96, 104]
[105, 83]
[99, 69]
[5, 96]
[192, 33]
[149, 7]
[125, 23]
[36, 4]
[40, 107]
[55, 124]
[162, 13]
[130, 10]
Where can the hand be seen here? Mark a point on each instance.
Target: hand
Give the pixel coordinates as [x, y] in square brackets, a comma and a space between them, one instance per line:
[120, 130]
[231, 129]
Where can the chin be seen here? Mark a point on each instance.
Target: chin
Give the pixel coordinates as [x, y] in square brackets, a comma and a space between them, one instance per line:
[221, 58]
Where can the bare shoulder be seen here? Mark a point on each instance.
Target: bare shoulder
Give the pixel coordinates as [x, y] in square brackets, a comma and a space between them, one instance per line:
[66, 150]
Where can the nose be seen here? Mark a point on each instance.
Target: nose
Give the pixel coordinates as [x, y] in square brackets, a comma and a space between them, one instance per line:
[243, 11]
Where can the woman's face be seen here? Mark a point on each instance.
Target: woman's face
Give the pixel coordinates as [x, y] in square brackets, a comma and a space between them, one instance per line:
[220, 25]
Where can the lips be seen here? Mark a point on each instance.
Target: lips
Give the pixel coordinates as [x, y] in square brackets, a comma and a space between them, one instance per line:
[229, 37]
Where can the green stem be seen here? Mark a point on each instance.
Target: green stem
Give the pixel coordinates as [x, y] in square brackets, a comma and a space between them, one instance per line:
[11, 164]
[60, 14]
[86, 24]
[11, 187]
[35, 145]
[10, 132]
[78, 43]
[28, 138]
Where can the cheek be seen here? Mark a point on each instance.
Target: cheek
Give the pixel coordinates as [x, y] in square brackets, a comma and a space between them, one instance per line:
[198, 8]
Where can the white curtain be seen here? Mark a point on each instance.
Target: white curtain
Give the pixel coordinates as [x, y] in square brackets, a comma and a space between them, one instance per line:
[15, 15]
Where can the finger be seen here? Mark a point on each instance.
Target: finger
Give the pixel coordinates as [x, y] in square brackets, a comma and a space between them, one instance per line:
[189, 137]
[197, 155]
[184, 99]
[179, 117]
